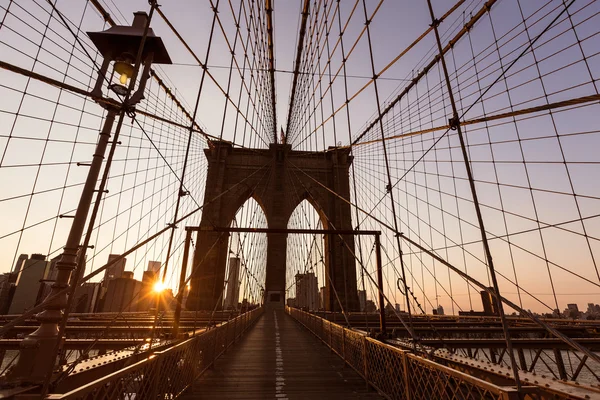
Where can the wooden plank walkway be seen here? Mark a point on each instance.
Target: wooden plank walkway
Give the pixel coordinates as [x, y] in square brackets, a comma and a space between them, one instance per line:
[279, 359]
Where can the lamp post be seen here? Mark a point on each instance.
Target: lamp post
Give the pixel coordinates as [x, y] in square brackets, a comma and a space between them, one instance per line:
[126, 47]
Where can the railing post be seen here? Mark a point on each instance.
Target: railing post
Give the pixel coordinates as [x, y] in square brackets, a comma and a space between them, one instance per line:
[405, 367]
[226, 341]
[365, 361]
[382, 322]
[155, 376]
[235, 329]
[344, 346]
[330, 338]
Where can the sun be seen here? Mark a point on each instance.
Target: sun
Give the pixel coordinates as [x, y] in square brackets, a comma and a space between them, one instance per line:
[158, 287]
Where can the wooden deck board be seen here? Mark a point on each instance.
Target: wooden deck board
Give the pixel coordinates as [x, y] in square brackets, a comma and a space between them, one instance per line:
[304, 369]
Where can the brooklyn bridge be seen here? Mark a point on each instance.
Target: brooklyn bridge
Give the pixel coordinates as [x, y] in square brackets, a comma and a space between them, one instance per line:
[310, 199]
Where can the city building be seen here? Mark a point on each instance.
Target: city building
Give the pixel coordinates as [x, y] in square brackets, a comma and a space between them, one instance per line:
[307, 291]
[114, 271]
[19, 263]
[147, 299]
[154, 266]
[7, 290]
[232, 293]
[370, 306]
[439, 310]
[322, 304]
[362, 300]
[573, 307]
[122, 294]
[489, 303]
[29, 284]
[85, 297]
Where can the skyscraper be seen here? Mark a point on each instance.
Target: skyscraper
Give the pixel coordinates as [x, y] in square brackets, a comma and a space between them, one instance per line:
[233, 284]
[147, 299]
[362, 300]
[19, 263]
[85, 297]
[114, 271]
[29, 285]
[307, 291]
[489, 303]
[122, 294]
[154, 266]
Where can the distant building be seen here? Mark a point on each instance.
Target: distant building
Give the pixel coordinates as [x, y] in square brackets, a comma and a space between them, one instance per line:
[29, 284]
[85, 297]
[122, 294]
[53, 272]
[147, 299]
[7, 290]
[232, 293]
[291, 302]
[489, 303]
[362, 299]
[591, 309]
[572, 311]
[322, 304]
[572, 307]
[370, 306]
[307, 291]
[19, 263]
[154, 266]
[389, 309]
[440, 310]
[114, 271]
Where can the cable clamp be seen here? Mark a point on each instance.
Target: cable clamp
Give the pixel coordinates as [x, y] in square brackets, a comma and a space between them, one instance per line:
[453, 123]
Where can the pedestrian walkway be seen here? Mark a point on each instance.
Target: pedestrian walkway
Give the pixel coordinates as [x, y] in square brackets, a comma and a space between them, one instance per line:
[280, 359]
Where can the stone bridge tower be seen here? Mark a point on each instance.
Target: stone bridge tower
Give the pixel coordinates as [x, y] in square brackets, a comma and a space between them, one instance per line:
[278, 179]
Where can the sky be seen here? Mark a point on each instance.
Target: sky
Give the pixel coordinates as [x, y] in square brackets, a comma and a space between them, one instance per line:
[540, 159]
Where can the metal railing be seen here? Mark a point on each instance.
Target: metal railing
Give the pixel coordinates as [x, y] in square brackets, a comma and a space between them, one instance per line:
[166, 374]
[396, 373]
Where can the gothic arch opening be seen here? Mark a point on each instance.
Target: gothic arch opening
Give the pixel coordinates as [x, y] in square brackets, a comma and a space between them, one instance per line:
[306, 258]
[246, 259]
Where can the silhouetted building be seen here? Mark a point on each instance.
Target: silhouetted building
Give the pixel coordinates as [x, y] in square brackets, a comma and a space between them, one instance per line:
[232, 293]
[370, 306]
[53, 272]
[322, 298]
[114, 271]
[85, 297]
[307, 291]
[362, 299]
[573, 307]
[29, 284]
[122, 294]
[7, 290]
[147, 298]
[154, 266]
[489, 303]
[19, 263]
